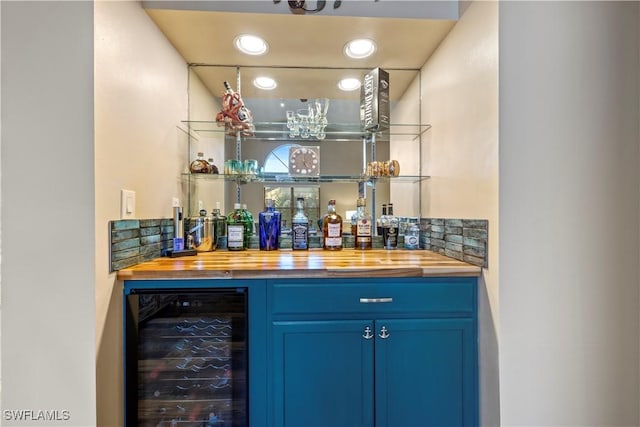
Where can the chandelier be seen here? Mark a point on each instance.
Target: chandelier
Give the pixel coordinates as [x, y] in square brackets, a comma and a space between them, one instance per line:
[310, 122]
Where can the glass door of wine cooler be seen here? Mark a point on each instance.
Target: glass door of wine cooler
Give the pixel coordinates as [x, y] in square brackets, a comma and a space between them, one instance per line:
[186, 358]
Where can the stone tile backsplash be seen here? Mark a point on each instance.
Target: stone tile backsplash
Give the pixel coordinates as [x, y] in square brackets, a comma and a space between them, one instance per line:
[461, 239]
[136, 241]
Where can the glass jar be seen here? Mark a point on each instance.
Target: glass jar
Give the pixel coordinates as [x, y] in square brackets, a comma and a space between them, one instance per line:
[412, 237]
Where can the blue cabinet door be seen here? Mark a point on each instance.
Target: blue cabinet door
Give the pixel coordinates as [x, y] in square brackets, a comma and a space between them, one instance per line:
[322, 373]
[425, 373]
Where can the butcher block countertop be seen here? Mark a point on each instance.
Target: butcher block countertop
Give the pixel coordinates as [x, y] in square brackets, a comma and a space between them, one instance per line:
[317, 263]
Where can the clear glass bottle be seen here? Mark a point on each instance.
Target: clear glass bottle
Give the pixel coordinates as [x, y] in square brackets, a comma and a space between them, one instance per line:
[390, 227]
[300, 227]
[269, 223]
[219, 228]
[200, 165]
[332, 228]
[364, 226]
[235, 229]
[248, 225]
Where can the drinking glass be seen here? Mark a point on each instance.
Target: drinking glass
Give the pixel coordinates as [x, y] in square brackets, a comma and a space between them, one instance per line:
[303, 120]
[251, 167]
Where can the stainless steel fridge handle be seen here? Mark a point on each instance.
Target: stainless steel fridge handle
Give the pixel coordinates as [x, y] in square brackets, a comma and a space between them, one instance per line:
[375, 300]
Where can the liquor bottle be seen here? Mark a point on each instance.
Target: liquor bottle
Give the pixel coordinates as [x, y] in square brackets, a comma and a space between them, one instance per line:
[380, 221]
[212, 168]
[300, 227]
[219, 227]
[235, 229]
[364, 227]
[200, 165]
[390, 229]
[332, 228]
[269, 222]
[248, 226]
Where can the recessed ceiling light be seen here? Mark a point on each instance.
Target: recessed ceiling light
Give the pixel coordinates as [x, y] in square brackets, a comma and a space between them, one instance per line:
[349, 84]
[359, 48]
[251, 45]
[265, 83]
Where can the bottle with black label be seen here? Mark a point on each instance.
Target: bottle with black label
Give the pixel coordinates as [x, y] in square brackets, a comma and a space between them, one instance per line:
[300, 227]
[390, 229]
[380, 221]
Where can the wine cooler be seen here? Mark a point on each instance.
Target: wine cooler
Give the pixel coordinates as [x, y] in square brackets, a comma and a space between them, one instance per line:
[186, 358]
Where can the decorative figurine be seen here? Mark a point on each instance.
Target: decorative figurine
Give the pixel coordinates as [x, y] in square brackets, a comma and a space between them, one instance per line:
[234, 115]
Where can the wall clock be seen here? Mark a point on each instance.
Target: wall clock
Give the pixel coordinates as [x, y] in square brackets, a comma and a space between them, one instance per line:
[304, 161]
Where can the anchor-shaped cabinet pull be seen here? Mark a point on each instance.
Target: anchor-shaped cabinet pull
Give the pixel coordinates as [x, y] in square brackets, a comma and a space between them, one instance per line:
[367, 333]
[384, 333]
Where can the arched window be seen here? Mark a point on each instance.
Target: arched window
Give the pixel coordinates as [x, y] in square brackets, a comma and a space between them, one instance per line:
[284, 196]
[277, 161]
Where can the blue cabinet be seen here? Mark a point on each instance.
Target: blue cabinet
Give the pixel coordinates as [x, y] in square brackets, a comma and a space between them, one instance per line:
[424, 373]
[360, 352]
[322, 374]
[377, 352]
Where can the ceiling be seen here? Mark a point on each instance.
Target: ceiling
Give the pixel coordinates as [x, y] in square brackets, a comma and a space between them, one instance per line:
[305, 51]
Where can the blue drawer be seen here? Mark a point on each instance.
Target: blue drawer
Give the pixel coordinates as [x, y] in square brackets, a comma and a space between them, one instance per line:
[429, 295]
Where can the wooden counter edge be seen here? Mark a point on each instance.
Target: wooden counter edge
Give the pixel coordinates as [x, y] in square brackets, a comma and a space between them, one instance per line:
[470, 271]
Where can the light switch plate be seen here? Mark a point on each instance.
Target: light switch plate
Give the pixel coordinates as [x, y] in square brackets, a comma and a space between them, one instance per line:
[127, 204]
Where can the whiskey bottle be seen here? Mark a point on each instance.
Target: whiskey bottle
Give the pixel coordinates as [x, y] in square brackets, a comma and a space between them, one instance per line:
[364, 227]
[332, 228]
[269, 227]
[390, 229]
[200, 165]
[235, 229]
[300, 227]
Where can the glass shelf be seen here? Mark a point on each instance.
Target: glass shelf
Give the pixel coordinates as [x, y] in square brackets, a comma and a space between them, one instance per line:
[287, 179]
[277, 131]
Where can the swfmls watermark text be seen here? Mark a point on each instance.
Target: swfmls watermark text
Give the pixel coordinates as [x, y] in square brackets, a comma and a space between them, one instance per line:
[41, 415]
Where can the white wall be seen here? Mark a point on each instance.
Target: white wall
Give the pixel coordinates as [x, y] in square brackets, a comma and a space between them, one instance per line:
[48, 333]
[569, 174]
[459, 92]
[140, 101]
[409, 151]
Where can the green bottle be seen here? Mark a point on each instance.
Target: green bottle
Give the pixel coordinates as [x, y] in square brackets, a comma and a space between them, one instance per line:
[236, 229]
[248, 226]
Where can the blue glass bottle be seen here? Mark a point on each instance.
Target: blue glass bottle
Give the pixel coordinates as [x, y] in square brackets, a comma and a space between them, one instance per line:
[269, 223]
